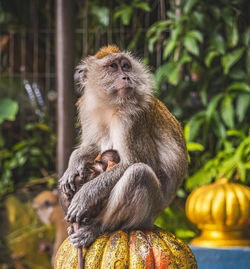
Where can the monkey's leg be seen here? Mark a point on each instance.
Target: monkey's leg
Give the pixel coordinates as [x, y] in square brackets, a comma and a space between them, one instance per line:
[135, 201]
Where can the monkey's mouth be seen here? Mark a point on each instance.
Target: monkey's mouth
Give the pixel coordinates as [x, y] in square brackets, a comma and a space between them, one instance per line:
[125, 91]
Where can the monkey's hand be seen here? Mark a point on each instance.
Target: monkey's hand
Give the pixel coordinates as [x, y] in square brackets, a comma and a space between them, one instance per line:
[85, 235]
[67, 181]
[93, 194]
[83, 203]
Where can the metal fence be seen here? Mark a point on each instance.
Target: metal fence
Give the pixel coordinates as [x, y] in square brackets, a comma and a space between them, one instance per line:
[27, 53]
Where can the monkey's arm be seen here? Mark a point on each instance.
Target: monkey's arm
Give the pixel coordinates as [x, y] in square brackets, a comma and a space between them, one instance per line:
[93, 192]
[76, 167]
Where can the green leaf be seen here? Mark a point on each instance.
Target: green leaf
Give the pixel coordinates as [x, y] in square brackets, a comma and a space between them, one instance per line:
[8, 110]
[181, 233]
[173, 76]
[118, 13]
[37, 125]
[232, 35]
[236, 133]
[242, 170]
[242, 86]
[202, 177]
[218, 43]
[242, 104]
[218, 126]
[196, 35]
[19, 145]
[151, 43]
[158, 27]
[215, 11]
[209, 58]
[203, 93]
[187, 132]
[35, 151]
[189, 5]
[248, 61]
[191, 45]
[170, 45]
[126, 15]
[212, 106]
[102, 14]
[199, 18]
[227, 15]
[185, 58]
[195, 124]
[171, 15]
[168, 71]
[192, 146]
[246, 37]
[231, 58]
[143, 6]
[160, 75]
[238, 74]
[227, 111]
[124, 12]
[175, 33]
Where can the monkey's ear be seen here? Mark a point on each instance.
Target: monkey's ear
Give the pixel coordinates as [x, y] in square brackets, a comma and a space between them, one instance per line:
[80, 76]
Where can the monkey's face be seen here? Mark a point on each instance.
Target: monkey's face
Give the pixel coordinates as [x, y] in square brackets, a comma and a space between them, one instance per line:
[116, 79]
[120, 70]
[44, 204]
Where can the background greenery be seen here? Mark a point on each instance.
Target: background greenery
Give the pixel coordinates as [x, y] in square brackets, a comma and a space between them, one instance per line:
[203, 77]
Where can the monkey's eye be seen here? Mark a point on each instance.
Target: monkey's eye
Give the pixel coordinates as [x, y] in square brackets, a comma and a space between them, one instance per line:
[47, 203]
[113, 65]
[126, 66]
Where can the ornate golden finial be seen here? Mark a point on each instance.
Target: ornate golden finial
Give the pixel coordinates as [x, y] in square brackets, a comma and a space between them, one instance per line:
[106, 51]
[222, 211]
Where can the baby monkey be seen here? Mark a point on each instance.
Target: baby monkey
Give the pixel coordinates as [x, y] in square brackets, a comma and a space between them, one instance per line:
[103, 162]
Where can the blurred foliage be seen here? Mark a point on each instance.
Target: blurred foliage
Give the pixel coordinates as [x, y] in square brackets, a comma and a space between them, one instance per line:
[125, 11]
[206, 49]
[232, 161]
[204, 79]
[25, 235]
[32, 157]
[27, 156]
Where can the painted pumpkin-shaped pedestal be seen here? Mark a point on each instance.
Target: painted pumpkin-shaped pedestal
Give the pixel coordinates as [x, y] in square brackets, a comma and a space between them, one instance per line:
[150, 249]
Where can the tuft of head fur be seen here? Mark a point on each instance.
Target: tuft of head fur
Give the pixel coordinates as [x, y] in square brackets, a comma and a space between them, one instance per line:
[104, 51]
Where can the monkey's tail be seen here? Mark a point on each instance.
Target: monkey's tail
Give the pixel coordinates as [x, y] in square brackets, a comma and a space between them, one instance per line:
[79, 250]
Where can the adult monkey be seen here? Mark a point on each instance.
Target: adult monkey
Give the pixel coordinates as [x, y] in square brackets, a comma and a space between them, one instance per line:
[118, 111]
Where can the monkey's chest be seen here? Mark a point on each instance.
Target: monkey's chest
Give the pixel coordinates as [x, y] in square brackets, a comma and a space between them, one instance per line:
[106, 143]
[113, 138]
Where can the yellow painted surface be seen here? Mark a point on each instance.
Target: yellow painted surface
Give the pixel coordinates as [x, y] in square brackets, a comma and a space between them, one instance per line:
[154, 249]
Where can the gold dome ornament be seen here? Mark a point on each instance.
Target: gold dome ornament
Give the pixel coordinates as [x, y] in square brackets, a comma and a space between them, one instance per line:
[222, 211]
[147, 249]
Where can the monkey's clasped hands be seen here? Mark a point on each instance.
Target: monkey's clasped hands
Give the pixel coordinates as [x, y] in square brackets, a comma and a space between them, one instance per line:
[79, 212]
[118, 111]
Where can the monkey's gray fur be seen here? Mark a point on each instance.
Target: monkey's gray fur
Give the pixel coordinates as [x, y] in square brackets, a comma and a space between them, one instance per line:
[118, 111]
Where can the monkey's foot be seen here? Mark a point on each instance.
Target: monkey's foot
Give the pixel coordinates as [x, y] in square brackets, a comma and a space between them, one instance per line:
[85, 236]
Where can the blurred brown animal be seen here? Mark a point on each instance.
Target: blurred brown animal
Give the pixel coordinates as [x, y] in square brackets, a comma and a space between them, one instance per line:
[48, 209]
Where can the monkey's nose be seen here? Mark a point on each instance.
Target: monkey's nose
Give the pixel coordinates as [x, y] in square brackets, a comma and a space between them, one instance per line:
[126, 78]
